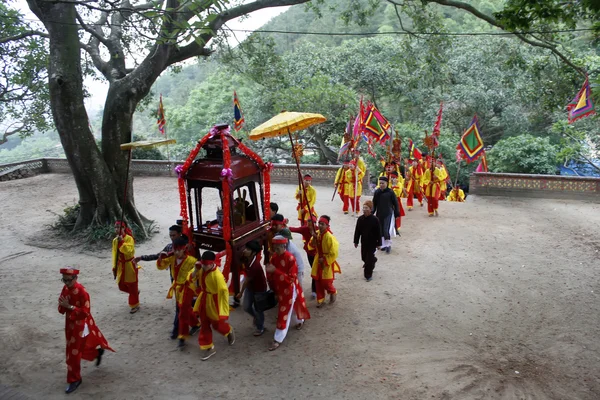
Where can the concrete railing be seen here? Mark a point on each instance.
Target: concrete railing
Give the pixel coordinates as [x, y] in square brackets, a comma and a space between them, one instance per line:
[282, 173]
[546, 186]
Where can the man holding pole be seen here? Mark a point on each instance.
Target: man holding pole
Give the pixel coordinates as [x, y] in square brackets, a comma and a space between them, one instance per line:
[306, 207]
[354, 177]
[340, 185]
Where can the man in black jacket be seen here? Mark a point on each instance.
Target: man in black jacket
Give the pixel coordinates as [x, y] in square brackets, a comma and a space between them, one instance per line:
[369, 232]
[385, 207]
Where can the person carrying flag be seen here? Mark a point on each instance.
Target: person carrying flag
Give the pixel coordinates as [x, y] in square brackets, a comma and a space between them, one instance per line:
[304, 204]
[354, 177]
[413, 184]
[340, 184]
[432, 180]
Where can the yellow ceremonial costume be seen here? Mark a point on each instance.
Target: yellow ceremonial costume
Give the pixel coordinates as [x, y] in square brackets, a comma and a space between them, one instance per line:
[179, 273]
[324, 265]
[443, 183]
[212, 305]
[125, 270]
[431, 180]
[413, 186]
[453, 197]
[311, 194]
[179, 270]
[340, 181]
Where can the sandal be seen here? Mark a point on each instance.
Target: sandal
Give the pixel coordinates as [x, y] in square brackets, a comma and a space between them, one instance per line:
[274, 346]
[134, 310]
[299, 326]
[258, 333]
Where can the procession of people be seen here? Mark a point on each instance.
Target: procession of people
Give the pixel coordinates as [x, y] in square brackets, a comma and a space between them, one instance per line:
[201, 292]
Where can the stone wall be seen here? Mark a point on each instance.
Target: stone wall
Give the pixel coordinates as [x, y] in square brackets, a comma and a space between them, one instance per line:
[544, 186]
[282, 173]
[23, 169]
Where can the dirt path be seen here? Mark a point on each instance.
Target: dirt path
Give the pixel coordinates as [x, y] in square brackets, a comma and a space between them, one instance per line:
[495, 299]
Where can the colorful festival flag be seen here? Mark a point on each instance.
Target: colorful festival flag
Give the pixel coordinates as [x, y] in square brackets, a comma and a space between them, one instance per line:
[471, 144]
[582, 105]
[372, 125]
[238, 117]
[438, 122]
[347, 141]
[161, 121]
[413, 151]
[482, 167]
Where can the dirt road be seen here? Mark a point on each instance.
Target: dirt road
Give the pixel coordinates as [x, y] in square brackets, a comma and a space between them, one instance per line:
[495, 299]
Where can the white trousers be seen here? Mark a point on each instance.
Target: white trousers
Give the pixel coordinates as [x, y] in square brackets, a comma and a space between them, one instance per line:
[280, 334]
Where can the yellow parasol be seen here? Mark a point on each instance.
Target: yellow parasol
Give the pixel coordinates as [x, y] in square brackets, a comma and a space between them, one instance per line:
[288, 122]
[284, 123]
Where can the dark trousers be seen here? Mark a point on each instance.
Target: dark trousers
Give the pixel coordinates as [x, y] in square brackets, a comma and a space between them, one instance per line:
[367, 254]
[311, 259]
[176, 321]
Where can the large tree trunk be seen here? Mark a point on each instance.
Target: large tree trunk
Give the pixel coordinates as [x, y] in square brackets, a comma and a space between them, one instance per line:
[98, 185]
[325, 153]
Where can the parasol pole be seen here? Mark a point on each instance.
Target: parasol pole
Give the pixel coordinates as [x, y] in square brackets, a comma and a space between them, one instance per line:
[300, 180]
[123, 204]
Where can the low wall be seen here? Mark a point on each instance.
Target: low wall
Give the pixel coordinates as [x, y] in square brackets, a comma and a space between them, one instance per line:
[282, 173]
[543, 186]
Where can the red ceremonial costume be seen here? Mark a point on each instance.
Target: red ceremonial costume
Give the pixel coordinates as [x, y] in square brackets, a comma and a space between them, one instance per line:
[125, 268]
[284, 281]
[82, 334]
[212, 304]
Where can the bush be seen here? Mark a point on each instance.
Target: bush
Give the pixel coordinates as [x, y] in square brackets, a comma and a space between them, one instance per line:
[523, 154]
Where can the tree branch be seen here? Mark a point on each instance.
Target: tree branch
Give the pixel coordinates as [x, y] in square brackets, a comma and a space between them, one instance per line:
[469, 8]
[22, 36]
[8, 133]
[197, 48]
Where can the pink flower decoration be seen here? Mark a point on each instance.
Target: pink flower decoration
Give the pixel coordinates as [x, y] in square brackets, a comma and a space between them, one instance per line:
[178, 170]
[227, 173]
[269, 167]
[215, 130]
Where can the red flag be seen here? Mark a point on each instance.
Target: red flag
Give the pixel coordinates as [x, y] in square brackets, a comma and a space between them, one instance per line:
[413, 151]
[161, 121]
[482, 167]
[438, 122]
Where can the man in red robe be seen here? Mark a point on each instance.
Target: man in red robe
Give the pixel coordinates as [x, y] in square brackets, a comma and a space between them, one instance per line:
[283, 279]
[82, 334]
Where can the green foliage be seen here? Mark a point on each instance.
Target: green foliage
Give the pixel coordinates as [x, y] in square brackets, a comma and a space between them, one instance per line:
[36, 146]
[525, 14]
[524, 154]
[24, 98]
